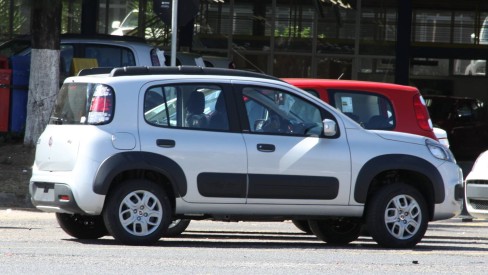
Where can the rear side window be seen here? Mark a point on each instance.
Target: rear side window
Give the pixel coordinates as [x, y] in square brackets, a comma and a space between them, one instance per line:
[194, 106]
[372, 111]
[83, 103]
[110, 56]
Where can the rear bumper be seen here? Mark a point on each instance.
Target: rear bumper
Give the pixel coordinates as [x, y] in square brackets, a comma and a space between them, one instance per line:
[53, 197]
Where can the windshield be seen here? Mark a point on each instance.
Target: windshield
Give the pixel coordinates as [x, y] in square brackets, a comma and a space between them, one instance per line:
[83, 103]
[131, 20]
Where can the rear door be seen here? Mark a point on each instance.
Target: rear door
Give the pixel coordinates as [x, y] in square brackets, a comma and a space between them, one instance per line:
[192, 124]
[289, 161]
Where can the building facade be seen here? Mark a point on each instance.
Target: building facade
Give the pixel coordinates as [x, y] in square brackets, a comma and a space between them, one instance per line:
[438, 46]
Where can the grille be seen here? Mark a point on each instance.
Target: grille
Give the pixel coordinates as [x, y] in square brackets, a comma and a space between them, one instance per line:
[482, 182]
[479, 204]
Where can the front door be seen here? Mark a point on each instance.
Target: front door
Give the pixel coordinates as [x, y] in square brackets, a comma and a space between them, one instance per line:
[289, 160]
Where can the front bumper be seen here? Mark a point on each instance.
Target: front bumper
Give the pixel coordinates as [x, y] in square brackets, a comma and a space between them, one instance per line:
[454, 192]
[477, 198]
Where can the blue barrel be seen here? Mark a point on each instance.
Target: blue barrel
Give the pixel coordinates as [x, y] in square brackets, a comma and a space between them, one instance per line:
[20, 88]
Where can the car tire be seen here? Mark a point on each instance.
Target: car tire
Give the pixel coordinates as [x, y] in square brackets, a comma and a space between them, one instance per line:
[176, 227]
[137, 212]
[302, 225]
[336, 231]
[397, 216]
[82, 226]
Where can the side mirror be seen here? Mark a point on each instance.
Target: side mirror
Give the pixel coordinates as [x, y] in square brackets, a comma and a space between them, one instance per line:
[115, 24]
[330, 127]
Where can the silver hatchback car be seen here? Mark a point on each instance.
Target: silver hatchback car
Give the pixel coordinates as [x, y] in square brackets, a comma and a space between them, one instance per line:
[129, 151]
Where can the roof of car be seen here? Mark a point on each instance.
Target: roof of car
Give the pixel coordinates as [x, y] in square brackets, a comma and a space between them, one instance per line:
[335, 83]
[96, 38]
[179, 70]
[448, 97]
[90, 37]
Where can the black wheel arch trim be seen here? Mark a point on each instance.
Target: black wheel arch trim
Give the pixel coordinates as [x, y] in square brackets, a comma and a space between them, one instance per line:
[126, 161]
[397, 162]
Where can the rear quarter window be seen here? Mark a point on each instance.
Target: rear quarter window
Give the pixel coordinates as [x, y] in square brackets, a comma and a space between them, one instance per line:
[83, 103]
[192, 106]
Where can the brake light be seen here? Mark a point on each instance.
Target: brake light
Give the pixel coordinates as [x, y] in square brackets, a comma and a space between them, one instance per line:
[421, 113]
[101, 107]
[101, 104]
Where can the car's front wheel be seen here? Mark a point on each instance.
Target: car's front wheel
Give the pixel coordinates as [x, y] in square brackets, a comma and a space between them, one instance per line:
[82, 226]
[137, 212]
[397, 216]
[339, 231]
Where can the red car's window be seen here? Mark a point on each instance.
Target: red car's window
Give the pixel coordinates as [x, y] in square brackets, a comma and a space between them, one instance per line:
[372, 111]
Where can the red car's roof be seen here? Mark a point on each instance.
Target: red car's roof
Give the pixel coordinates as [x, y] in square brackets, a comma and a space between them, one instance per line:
[334, 83]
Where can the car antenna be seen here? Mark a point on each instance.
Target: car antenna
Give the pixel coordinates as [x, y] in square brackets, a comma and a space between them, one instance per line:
[340, 76]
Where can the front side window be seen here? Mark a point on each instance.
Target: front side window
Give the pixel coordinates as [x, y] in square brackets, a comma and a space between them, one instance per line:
[195, 106]
[372, 111]
[84, 103]
[272, 111]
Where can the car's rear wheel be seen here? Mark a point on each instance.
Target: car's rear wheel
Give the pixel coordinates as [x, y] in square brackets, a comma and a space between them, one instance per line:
[339, 231]
[82, 226]
[397, 216]
[137, 212]
[176, 227]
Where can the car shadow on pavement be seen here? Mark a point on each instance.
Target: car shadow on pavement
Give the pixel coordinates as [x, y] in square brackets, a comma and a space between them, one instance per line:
[280, 240]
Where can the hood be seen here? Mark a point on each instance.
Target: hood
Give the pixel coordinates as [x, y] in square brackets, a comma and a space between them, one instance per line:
[401, 137]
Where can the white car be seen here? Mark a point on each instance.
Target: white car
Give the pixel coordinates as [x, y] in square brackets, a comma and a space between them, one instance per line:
[127, 152]
[477, 188]
[130, 23]
[109, 51]
[441, 136]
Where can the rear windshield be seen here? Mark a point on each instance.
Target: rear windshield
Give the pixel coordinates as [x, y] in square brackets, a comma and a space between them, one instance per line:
[83, 103]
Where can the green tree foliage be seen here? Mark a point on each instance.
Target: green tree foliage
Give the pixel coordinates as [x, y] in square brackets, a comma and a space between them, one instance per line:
[294, 31]
[7, 25]
[71, 16]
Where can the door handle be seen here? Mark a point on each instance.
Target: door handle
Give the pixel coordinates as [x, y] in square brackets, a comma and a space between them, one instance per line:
[166, 143]
[266, 147]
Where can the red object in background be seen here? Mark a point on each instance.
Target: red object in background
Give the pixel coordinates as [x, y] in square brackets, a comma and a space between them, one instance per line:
[5, 77]
[410, 118]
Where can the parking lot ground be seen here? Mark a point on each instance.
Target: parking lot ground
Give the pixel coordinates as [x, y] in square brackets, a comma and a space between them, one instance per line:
[31, 242]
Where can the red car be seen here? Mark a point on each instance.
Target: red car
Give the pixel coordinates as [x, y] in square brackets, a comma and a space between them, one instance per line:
[374, 105]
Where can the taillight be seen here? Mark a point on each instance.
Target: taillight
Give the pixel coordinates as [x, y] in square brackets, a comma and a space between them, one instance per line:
[101, 104]
[101, 107]
[421, 113]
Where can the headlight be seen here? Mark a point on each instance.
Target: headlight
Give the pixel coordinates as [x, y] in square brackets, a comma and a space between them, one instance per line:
[439, 151]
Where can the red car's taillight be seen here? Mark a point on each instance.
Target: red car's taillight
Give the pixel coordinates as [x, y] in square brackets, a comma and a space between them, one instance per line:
[421, 113]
